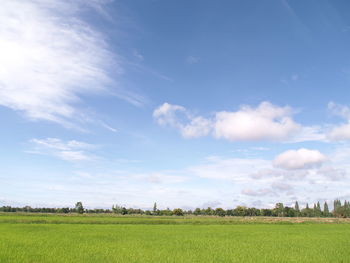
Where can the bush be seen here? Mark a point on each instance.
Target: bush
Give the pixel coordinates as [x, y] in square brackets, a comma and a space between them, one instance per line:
[178, 212]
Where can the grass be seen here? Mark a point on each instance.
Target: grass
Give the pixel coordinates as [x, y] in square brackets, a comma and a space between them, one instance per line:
[42, 218]
[73, 238]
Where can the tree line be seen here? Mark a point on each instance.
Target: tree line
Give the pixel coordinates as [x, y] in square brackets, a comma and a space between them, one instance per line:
[339, 210]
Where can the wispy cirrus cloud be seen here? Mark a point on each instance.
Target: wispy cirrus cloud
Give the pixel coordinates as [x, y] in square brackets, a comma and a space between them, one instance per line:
[72, 151]
[50, 57]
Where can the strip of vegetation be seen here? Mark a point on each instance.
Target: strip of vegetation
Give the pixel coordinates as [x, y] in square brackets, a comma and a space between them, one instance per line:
[340, 211]
[111, 219]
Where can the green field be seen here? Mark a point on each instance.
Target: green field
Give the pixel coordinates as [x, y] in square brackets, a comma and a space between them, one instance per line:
[58, 238]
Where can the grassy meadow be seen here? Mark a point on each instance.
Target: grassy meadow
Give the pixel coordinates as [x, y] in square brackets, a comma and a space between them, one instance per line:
[108, 238]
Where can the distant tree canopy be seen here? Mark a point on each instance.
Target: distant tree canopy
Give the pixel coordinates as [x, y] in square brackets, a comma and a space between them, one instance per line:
[79, 207]
[178, 212]
[339, 210]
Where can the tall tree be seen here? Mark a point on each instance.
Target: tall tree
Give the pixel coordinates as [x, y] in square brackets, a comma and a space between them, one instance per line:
[314, 210]
[79, 207]
[317, 210]
[307, 211]
[318, 206]
[279, 208]
[155, 210]
[337, 208]
[346, 209]
[325, 210]
[297, 209]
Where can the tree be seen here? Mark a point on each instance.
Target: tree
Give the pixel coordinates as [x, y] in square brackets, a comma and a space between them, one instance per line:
[317, 210]
[266, 212]
[79, 207]
[117, 209]
[337, 211]
[166, 212]
[306, 211]
[230, 212]
[147, 212]
[178, 212]
[326, 210]
[240, 211]
[252, 211]
[209, 211]
[297, 209]
[124, 211]
[289, 211]
[346, 209]
[279, 209]
[197, 211]
[65, 210]
[220, 212]
[155, 210]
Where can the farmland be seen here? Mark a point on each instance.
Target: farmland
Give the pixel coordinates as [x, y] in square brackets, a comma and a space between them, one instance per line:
[107, 238]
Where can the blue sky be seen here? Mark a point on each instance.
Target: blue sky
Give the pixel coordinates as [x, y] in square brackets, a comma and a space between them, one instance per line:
[184, 103]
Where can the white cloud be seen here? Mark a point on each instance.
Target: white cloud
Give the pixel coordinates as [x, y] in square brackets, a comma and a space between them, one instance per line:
[231, 183]
[73, 156]
[68, 151]
[58, 144]
[178, 117]
[50, 57]
[341, 132]
[281, 186]
[198, 126]
[166, 114]
[332, 173]
[308, 133]
[265, 122]
[299, 159]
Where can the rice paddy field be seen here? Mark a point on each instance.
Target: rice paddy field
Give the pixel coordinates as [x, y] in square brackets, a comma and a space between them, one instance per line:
[107, 238]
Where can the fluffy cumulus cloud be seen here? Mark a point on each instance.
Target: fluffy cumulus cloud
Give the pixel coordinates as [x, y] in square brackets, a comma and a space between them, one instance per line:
[265, 122]
[342, 131]
[299, 159]
[72, 151]
[50, 57]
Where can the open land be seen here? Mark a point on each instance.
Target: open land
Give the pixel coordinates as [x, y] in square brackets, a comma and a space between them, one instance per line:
[109, 238]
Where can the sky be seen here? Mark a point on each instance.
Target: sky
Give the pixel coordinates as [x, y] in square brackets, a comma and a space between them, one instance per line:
[184, 103]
